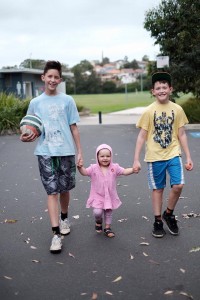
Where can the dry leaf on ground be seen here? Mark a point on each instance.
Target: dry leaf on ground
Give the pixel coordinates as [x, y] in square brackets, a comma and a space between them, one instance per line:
[71, 255]
[117, 279]
[186, 295]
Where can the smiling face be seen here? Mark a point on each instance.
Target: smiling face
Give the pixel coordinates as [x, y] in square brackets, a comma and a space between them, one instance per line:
[162, 91]
[51, 80]
[104, 157]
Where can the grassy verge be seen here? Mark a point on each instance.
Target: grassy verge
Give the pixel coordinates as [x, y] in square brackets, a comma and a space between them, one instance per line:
[107, 103]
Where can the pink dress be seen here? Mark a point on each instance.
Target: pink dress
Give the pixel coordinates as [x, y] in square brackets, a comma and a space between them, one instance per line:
[103, 191]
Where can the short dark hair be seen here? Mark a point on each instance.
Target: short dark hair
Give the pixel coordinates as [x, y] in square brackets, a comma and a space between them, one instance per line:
[162, 77]
[52, 64]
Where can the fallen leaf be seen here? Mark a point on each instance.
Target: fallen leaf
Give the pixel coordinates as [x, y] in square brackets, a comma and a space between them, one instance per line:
[76, 217]
[187, 295]
[182, 270]
[11, 221]
[195, 249]
[122, 220]
[109, 293]
[117, 279]
[169, 293]
[33, 247]
[7, 277]
[144, 243]
[71, 255]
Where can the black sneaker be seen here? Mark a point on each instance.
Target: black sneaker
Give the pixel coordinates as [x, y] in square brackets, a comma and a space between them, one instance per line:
[171, 223]
[158, 230]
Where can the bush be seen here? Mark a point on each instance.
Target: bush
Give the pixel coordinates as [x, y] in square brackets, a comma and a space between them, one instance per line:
[12, 110]
[192, 110]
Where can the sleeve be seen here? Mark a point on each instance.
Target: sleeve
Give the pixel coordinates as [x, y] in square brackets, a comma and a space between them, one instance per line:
[119, 170]
[182, 119]
[143, 122]
[89, 170]
[73, 115]
[30, 110]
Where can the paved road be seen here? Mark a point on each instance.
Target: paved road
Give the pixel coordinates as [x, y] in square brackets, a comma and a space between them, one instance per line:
[90, 263]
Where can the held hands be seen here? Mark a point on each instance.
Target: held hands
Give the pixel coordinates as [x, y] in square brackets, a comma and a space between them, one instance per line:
[136, 166]
[80, 162]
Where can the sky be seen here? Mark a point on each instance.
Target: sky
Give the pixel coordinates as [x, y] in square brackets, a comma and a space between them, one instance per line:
[74, 30]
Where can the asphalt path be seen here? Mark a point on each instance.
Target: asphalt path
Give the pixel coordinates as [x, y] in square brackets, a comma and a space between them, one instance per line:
[134, 265]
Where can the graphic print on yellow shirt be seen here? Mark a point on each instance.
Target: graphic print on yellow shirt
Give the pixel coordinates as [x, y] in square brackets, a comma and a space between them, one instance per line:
[163, 128]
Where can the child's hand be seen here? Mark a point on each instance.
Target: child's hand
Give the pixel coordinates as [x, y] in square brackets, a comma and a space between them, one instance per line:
[80, 163]
[24, 137]
[189, 166]
[136, 167]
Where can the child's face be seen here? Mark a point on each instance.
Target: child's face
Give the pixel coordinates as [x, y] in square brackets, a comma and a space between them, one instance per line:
[104, 157]
[51, 79]
[162, 91]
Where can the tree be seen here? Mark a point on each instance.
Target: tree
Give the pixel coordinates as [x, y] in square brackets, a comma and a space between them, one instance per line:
[175, 25]
[33, 64]
[85, 79]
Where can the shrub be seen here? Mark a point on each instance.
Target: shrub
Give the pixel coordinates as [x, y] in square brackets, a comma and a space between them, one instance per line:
[192, 110]
[12, 111]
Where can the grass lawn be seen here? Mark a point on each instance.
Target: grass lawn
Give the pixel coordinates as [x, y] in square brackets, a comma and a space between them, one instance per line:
[107, 103]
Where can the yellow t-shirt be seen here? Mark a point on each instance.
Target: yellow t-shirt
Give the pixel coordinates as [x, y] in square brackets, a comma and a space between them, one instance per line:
[162, 122]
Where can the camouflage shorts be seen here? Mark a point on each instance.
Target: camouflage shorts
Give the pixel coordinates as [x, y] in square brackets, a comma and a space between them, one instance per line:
[57, 173]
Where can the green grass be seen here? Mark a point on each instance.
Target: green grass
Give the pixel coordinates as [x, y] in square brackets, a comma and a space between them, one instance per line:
[107, 103]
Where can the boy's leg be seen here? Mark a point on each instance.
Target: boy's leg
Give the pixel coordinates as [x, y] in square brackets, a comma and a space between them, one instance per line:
[157, 182]
[175, 170]
[56, 243]
[64, 204]
[157, 200]
[52, 203]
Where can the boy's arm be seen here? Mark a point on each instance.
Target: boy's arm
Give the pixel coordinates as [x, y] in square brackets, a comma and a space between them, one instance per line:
[138, 147]
[184, 143]
[76, 137]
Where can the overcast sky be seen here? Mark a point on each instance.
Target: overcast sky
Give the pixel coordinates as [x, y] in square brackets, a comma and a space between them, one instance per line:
[74, 30]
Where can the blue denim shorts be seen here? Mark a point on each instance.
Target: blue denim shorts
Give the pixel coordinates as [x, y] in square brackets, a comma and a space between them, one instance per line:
[157, 172]
[57, 173]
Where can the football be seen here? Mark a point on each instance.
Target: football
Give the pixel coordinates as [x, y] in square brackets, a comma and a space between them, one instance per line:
[31, 124]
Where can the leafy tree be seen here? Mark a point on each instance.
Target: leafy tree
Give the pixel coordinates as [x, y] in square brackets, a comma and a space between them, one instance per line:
[33, 63]
[85, 79]
[175, 25]
[133, 64]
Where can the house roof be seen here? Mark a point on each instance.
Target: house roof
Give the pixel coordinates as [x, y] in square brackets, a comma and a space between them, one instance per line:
[32, 71]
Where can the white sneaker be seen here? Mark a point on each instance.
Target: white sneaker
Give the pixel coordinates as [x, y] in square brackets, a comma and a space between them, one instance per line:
[64, 226]
[56, 244]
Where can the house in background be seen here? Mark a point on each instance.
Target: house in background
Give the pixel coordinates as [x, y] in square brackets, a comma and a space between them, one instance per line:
[26, 83]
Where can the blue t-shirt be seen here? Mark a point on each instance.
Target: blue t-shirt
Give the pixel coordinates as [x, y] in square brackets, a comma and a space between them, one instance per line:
[57, 114]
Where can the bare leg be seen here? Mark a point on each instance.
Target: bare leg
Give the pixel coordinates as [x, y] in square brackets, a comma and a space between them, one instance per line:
[52, 203]
[64, 202]
[174, 195]
[157, 201]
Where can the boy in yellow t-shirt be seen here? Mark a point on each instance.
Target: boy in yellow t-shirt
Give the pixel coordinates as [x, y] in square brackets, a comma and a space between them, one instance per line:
[162, 129]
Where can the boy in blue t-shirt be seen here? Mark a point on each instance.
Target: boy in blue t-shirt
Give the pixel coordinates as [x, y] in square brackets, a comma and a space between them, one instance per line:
[55, 148]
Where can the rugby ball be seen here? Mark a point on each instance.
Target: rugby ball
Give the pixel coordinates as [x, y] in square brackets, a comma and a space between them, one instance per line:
[31, 124]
